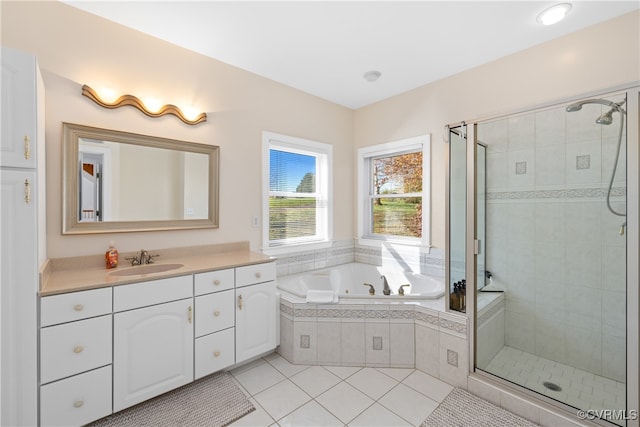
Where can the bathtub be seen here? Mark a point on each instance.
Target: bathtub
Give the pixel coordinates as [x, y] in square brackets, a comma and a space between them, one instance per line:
[347, 282]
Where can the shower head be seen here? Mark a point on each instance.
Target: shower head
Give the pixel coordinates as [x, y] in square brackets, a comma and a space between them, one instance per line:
[604, 119]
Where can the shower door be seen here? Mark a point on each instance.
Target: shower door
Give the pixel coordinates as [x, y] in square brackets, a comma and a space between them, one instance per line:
[552, 316]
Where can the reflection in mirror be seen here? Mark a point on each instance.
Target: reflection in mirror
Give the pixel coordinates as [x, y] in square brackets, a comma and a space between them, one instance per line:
[116, 181]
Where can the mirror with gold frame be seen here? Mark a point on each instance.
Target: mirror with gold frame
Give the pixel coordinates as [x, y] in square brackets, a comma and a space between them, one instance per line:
[123, 182]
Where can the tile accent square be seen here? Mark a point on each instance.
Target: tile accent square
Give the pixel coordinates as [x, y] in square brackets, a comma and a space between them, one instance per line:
[583, 162]
[305, 341]
[452, 358]
[521, 168]
[377, 343]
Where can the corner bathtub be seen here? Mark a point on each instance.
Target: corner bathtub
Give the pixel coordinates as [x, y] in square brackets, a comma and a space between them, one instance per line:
[347, 282]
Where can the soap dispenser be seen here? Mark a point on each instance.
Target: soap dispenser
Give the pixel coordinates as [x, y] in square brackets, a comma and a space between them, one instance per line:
[111, 256]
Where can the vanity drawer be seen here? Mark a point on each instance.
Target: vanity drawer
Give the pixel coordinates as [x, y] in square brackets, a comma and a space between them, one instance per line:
[77, 400]
[214, 312]
[214, 281]
[257, 273]
[214, 352]
[142, 294]
[74, 306]
[74, 347]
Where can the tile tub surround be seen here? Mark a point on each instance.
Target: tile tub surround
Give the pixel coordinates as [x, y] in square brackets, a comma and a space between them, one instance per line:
[381, 335]
[430, 263]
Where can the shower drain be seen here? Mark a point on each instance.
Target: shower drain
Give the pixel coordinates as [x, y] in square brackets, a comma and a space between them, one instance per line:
[552, 386]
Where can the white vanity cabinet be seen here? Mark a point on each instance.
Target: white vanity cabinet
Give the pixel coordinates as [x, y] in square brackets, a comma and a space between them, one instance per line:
[152, 339]
[75, 357]
[104, 350]
[256, 310]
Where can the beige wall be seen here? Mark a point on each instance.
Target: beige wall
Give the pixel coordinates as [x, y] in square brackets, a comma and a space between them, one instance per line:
[75, 48]
[597, 58]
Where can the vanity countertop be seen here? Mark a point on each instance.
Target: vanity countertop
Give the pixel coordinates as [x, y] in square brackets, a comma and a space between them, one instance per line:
[58, 276]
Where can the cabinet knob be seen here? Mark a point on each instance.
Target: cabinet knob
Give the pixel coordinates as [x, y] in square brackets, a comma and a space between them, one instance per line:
[216, 313]
[78, 403]
[216, 282]
[216, 354]
[78, 307]
[258, 275]
[78, 349]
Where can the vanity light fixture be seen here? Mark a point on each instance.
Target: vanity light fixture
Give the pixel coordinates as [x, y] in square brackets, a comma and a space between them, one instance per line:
[554, 14]
[151, 111]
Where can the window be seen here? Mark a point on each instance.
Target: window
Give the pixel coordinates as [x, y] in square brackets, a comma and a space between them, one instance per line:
[297, 202]
[394, 192]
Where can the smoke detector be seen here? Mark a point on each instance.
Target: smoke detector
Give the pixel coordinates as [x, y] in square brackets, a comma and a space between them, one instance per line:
[372, 76]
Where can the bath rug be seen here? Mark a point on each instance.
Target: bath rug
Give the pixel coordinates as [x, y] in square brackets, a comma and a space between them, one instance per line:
[462, 409]
[215, 400]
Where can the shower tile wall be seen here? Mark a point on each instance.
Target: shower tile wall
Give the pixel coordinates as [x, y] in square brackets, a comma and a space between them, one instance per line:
[551, 242]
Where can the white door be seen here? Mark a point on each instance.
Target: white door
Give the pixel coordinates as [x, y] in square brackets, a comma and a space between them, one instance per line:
[152, 351]
[256, 322]
[18, 142]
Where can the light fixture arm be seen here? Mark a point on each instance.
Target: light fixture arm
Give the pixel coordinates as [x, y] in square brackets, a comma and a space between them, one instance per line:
[137, 103]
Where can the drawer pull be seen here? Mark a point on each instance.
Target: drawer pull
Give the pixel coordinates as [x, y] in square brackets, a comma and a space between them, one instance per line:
[216, 282]
[190, 314]
[239, 302]
[216, 313]
[258, 275]
[78, 403]
[216, 354]
[78, 349]
[78, 307]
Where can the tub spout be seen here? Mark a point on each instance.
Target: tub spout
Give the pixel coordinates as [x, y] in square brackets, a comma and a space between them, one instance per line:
[385, 289]
[401, 289]
[372, 290]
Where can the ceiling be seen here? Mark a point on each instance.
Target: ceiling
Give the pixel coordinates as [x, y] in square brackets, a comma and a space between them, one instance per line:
[324, 47]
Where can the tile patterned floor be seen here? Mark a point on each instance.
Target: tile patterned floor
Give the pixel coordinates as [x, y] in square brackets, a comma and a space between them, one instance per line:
[580, 389]
[297, 395]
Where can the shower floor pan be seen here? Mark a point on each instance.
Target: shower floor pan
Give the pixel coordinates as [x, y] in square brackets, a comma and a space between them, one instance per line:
[564, 383]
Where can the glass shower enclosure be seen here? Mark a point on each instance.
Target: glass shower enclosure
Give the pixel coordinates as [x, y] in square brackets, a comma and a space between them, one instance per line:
[541, 227]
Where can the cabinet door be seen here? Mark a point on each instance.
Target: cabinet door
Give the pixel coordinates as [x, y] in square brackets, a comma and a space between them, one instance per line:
[256, 321]
[19, 109]
[153, 351]
[18, 296]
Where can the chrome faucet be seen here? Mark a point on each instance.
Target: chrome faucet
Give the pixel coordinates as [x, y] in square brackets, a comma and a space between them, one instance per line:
[143, 259]
[401, 289]
[372, 290]
[385, 286]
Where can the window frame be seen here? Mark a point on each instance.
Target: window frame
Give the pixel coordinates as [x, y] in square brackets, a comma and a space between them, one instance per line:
[324, 198]
[365, 190]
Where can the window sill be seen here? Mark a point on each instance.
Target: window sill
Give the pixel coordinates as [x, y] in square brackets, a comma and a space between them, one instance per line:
[288, 249]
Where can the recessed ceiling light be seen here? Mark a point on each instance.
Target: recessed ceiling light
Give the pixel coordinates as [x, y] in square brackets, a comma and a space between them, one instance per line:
[554, 14]
[372, 76]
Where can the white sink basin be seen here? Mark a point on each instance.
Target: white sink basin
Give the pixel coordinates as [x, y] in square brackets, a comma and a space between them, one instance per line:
[146, 269]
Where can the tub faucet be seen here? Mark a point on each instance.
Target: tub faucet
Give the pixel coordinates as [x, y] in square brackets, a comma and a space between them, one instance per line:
[401, 289]
[385, 286]
[372, 290]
